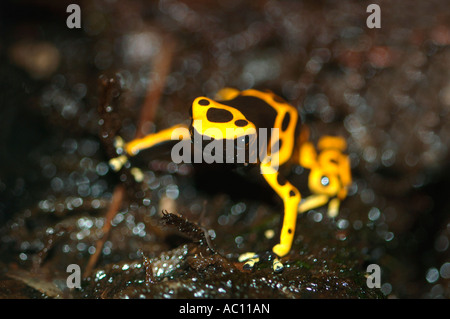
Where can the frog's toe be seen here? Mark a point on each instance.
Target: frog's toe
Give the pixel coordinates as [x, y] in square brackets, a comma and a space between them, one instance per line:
[119, 143]
[249, 264]
[250, 259]
[137, 174]
[118, 162]
[277, 265]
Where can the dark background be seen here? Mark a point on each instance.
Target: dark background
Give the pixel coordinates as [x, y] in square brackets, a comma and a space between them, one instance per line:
[385, 90]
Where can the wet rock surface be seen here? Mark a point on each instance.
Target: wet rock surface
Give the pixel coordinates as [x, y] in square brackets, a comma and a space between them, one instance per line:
[135, 67]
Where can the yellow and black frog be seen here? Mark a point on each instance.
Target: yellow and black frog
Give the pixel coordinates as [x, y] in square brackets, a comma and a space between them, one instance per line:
[258, 128]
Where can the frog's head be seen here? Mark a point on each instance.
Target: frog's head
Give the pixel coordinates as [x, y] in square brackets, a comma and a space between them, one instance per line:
[213, 121]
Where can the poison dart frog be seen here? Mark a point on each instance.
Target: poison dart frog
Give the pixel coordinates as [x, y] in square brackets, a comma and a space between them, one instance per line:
[239, 117]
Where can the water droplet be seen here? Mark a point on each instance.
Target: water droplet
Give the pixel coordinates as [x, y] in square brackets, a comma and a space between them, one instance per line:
[374, 214]
[445, 270]
[432, 275]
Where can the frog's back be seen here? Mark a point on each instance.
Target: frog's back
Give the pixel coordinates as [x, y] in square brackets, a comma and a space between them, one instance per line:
[267, 110]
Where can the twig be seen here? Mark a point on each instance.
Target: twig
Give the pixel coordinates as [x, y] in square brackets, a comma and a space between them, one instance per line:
[149, 276]
[148, 111]
[116, 202]
[109, 126]
[156, 85]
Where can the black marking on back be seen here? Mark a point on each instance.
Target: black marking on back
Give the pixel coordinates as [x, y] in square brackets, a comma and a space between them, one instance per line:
[257, 111]
[218, 115]
[241, 123]
[203, 102]
[286, 121]
[281, 180]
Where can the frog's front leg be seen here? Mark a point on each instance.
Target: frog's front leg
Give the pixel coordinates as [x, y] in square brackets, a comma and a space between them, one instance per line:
[133, 147]
[291, 198]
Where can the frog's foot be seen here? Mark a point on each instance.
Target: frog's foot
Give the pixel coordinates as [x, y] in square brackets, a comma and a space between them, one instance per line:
[251, 259]
[119, 144]
[137, 174]
[277, 265]
[118, 162]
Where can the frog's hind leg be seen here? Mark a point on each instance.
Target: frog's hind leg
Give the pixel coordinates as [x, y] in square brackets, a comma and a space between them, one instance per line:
[312, 201]
[226, 94]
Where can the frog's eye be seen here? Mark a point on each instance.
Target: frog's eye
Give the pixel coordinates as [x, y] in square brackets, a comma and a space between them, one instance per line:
[325, 181]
